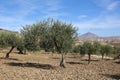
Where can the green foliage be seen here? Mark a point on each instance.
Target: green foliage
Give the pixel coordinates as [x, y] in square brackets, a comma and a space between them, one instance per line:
[62, 35]
[87, 48]
[3, 41]
[31, 36]
[116, 52]
[8, 39]
[106, 49]
[83, 50]
[46, 41]
[49, 35]
[20, 45]
[11, 40]
[76, 49]
[116, 49]
[97, 46]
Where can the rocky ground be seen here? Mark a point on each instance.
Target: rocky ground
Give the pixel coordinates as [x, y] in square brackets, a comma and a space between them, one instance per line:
[46, 67]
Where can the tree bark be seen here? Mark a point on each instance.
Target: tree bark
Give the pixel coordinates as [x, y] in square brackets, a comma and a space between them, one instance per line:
[62, 62]
[102, 56]
[7, 55]
[20, 52]
[89, 58]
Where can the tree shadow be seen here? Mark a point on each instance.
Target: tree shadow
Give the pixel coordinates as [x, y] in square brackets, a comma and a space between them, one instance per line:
[117, 62]
[90, 60]
[74, 62]
[29, 64]
[15, 59]
[55, 58]
[113, 76]
[74, 56]
[107, 59]
[71, 57]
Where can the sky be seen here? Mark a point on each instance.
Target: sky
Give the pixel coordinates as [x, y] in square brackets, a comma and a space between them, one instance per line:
[101, 17]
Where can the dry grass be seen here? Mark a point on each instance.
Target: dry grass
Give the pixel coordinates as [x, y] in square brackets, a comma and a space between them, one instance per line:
[41, 66]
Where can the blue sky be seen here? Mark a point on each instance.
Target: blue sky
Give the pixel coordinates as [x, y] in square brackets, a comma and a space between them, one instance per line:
[101, 17]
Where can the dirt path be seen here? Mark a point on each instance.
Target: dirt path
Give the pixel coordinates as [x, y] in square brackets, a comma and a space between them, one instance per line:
[45, 67]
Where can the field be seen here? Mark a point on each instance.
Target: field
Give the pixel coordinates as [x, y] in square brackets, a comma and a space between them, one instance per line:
[42, 66]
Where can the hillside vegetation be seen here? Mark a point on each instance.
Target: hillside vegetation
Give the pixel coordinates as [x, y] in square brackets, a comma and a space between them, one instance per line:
[7, 31]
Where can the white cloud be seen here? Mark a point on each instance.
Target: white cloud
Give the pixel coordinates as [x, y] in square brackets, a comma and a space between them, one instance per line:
[82, 16]
[53, 5]
[107, 4]
[113, 5]
[100, 22]
[105, 20]
[19, 15]
[52, 9]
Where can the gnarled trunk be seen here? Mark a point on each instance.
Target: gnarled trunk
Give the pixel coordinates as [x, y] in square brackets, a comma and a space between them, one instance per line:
[102, 56]
[20, 52]
[62, 62]
[7, 55]
[89, 58]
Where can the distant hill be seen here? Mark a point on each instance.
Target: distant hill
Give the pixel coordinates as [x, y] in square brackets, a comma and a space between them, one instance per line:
[88, 35]
[93, 37]
[4, 30]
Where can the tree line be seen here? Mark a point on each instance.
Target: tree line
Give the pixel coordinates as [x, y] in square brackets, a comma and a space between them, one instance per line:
[52, 36]
[97, 48]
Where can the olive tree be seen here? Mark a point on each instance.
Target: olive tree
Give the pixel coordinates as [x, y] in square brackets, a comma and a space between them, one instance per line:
[105, 50]
[87, 48]
[10, 39]
[116, 51]
[97, 46]
[63, 36]
[50, 35]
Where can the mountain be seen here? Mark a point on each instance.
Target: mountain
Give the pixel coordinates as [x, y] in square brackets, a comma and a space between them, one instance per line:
[114, 40]
[88, 35]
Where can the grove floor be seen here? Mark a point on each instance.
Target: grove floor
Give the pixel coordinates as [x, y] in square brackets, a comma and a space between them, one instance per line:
[42, 66]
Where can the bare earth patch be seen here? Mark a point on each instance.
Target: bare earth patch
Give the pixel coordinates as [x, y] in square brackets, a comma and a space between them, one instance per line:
[46, 67]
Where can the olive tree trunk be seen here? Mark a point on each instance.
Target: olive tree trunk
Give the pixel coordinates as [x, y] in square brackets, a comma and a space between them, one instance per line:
[102, 56]
[7, 54]
[89, 58]
[62, 62]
